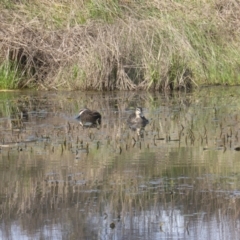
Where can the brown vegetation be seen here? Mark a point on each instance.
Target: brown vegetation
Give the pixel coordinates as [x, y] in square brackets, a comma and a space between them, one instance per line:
[121, 45]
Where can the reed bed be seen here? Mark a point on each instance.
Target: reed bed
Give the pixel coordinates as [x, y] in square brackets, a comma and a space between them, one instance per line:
[119, 45]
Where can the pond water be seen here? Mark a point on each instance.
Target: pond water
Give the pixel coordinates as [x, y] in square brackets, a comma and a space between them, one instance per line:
[178, 178]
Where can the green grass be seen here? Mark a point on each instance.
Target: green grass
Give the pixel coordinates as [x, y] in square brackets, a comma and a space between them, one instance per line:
[9, 76]
[107, 11]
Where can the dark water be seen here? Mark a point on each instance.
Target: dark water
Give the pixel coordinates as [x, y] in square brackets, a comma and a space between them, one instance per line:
[178, 179]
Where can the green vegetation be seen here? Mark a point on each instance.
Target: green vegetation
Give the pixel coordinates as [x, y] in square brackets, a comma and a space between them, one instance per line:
[9, 76]
[120, 44]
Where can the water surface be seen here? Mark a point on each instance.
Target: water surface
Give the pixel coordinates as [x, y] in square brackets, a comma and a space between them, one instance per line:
[176, 179]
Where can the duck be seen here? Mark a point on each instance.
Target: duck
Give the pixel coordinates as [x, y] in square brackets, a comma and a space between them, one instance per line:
[137, 118]
[89, 118]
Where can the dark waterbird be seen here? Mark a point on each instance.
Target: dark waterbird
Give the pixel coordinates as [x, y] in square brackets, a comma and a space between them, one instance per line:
[137, 122]
[137, 118]
[89, 118]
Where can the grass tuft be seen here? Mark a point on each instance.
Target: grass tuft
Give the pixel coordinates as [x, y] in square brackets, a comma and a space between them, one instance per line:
[9, 76]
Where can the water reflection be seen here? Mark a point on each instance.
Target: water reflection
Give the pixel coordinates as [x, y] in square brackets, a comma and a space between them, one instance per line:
[139, 128]
[61, 181]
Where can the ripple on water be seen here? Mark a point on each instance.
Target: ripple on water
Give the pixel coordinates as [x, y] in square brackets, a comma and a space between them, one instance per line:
[176, 180]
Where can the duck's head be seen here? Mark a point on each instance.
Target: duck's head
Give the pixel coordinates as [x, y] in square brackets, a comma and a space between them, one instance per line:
[139, 112]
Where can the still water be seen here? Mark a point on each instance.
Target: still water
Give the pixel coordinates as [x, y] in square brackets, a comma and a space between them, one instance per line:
[177, 178]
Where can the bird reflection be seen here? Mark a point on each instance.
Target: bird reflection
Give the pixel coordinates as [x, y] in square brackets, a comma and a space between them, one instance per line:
[137, 121]
[89, 118]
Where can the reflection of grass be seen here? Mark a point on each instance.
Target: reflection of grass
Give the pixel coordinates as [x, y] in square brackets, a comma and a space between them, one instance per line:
[148, 177]
[123, 189]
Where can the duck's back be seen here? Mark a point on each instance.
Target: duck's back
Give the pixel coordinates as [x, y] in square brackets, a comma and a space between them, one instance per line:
[90, 116]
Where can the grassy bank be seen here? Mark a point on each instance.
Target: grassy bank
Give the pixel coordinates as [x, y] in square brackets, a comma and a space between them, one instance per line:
[123, 45]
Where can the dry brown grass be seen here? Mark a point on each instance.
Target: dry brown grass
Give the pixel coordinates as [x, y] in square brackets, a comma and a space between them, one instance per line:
[121, 45]
[96, 56]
